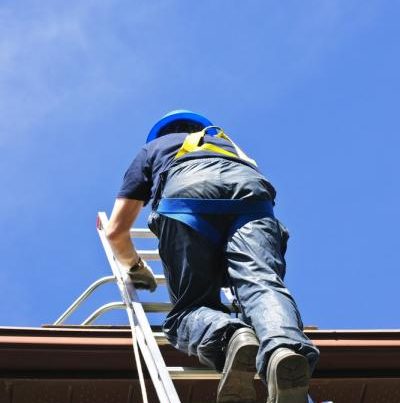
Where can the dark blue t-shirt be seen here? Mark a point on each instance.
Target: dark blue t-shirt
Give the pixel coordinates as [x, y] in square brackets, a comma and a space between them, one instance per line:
[142, 176]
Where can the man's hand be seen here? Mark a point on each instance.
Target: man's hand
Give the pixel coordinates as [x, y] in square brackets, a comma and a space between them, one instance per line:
[142, 276]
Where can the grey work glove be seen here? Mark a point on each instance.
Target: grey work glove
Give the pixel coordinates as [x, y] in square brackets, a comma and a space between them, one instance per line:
[142, 276]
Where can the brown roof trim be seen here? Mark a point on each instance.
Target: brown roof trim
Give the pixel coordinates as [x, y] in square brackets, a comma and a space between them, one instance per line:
[69, 363]
[343, 352]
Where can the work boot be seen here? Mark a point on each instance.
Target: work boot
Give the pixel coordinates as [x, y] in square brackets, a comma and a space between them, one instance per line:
[288, 375]
[237, 382]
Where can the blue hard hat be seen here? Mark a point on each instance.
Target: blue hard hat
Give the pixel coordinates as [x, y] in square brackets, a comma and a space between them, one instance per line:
[173, 116]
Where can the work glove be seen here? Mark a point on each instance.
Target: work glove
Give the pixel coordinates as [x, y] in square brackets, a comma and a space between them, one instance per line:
[142, 276]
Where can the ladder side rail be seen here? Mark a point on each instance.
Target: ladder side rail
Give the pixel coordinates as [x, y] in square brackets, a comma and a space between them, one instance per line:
[83, 297]
[149, 348]
[102, 223]
[102, 310]
[151, 352]
[148, 307]
[140, 326]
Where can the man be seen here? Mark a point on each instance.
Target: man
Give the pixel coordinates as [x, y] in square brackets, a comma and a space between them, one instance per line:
[212, 212]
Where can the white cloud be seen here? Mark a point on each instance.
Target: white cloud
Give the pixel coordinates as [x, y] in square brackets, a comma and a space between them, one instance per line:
[29, 50]
[53, 58]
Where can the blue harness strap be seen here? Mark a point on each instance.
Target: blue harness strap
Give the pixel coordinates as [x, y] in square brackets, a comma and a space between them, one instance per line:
[188, 211]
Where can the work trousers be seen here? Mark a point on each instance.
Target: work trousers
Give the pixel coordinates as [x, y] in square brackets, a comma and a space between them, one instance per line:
[251, 261]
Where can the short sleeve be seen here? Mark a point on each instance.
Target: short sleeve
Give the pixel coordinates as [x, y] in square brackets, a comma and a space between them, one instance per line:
[137, 181]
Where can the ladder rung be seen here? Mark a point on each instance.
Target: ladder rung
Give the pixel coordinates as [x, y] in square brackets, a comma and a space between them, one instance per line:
[149, 254]
[161, 339]
[189, 373]
[192, 373]
[157, 306]
[160, 278]
[141, 233]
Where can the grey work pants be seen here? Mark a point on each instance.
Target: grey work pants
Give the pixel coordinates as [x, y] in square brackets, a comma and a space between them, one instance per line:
[252, 260]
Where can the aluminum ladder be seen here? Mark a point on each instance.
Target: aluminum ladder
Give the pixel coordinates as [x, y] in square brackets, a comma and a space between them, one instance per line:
[143, 339]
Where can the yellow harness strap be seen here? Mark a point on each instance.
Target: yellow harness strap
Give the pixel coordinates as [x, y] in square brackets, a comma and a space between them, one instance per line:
[192, 141]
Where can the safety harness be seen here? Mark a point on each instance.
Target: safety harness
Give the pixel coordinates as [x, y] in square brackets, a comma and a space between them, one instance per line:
[190, 211]
[193, 140]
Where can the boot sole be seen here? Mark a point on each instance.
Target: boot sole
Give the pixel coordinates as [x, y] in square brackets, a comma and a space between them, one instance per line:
[238, 383]
[292, 379]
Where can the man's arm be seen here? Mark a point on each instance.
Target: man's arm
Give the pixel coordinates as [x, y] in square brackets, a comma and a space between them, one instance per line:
[122, 218]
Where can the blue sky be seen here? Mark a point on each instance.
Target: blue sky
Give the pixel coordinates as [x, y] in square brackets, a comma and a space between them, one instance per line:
[309, 89]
